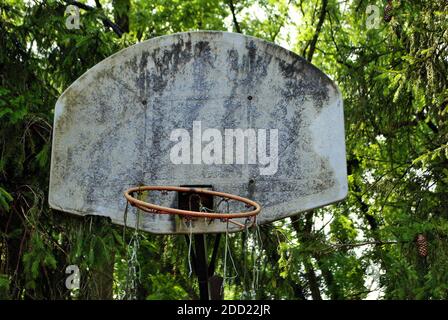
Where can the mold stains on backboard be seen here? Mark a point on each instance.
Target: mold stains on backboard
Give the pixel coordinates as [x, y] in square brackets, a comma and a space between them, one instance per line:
[168, 61]
[112, 130]
[304, 83]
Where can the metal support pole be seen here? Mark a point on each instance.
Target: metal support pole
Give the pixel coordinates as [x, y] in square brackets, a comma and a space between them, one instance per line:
[214, 282]
[201, 266]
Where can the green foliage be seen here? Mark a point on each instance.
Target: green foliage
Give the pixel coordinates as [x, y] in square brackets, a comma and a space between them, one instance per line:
[36, 259]
[4, 287]
[5, 199]
[165, 288]
[395, 89]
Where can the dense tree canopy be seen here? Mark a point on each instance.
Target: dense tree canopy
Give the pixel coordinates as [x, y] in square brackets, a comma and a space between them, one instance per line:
[388, 239]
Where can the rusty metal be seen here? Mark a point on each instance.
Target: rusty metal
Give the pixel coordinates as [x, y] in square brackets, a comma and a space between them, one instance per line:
[155, 209]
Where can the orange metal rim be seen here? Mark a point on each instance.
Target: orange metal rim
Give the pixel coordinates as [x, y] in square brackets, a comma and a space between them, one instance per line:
[153, 208]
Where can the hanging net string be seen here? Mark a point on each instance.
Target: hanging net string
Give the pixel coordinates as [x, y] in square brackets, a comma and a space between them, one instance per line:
[133, 272]
[257, 251]
[227, 253]
[246, 218]
[190, 228]
[190, 237]
[133, 276]
[254, 246]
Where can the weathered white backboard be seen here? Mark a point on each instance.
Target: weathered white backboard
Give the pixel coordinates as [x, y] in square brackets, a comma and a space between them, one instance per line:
[131, 119]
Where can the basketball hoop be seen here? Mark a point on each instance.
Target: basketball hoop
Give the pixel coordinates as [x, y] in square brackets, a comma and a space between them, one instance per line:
[188, 214]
